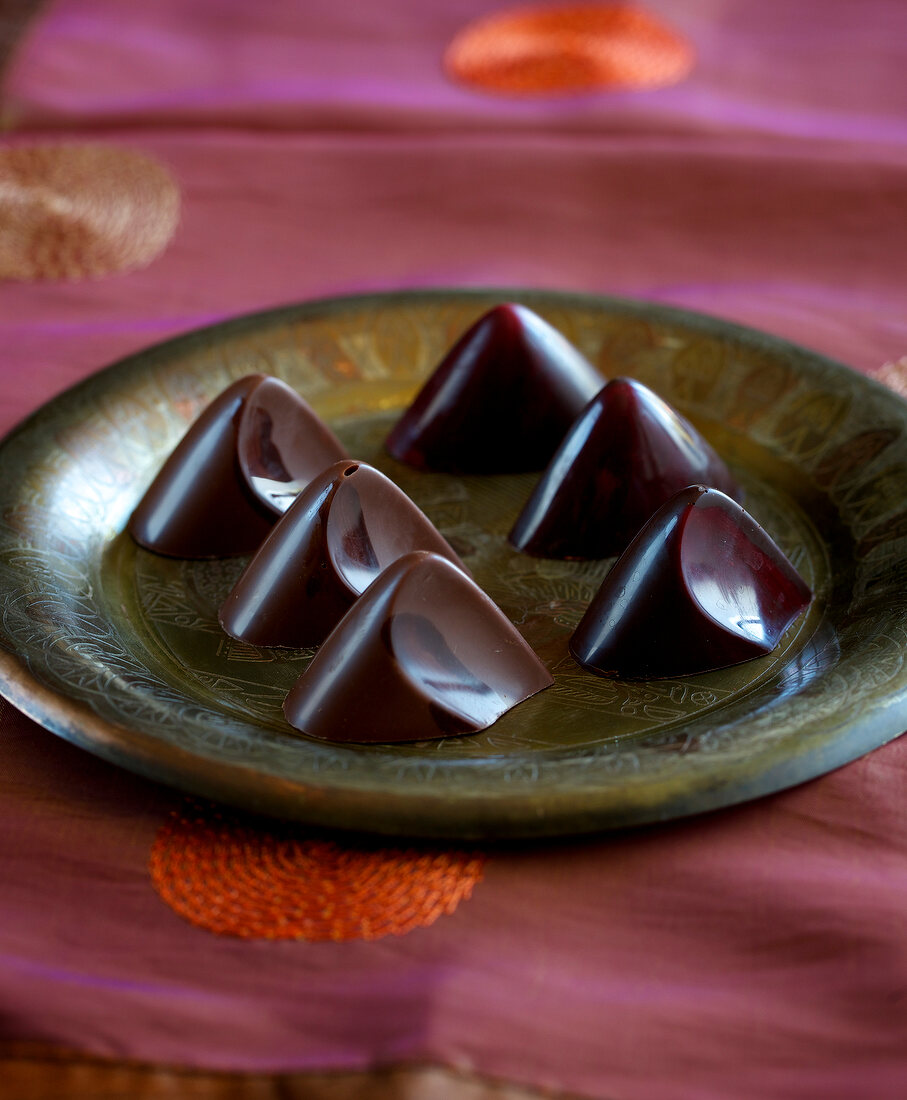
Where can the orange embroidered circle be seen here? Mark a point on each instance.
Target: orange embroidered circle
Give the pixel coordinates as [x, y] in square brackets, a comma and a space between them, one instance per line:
[579, 48]
[82, 210]
[238, 876]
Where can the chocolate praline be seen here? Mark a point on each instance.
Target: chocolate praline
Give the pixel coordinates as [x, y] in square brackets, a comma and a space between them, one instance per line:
[624, 456]
[701, 587]
[234, 472]
[422, 654]
[499, 401]
[346, 526]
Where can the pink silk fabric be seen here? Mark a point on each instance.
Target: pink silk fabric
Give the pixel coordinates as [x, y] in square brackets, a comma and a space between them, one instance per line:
[755, 952]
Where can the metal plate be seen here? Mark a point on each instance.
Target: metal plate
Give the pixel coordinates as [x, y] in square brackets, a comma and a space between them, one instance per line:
[119, 651]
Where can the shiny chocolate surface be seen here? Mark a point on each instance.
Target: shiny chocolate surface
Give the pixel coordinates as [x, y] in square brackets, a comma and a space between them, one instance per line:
[701, 587]
[199, 505]
[625, 455]
[282, 444]
[346, 526]
[239, 466]
[423, 654]
[500, 400]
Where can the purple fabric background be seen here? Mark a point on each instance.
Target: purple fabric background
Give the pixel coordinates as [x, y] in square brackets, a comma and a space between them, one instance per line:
[755, 952]
[806, 69]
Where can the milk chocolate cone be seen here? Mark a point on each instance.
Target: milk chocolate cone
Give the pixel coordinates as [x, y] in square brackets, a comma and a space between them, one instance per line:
[346, 526]
[500, 400]
[702, 586]
[622, 459]
[222, 488]
[423, 653]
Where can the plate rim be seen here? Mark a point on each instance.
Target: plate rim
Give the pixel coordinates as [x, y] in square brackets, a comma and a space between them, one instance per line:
[54, 710]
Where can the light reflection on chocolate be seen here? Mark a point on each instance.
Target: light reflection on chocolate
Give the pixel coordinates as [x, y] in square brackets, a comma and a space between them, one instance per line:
[623, 457]
[346, 526]
[239, 466]
[422, 654]
[702, 586]
[499, 401]
[282, 444]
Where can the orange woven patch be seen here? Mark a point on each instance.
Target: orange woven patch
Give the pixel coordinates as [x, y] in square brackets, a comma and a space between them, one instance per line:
[239, 876]
[71, 211]
[544, 50]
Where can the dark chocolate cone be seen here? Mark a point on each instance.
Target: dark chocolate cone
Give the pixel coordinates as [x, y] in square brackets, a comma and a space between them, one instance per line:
[625, 455]
[346, 526]
[220, 491]
[424, 653]
[282, 444]
[702, 586]
[499, 402]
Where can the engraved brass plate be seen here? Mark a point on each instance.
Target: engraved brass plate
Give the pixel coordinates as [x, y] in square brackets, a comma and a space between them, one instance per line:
[119, 650]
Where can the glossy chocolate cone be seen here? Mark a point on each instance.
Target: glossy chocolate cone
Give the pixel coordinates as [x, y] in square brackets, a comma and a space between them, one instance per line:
[499, 402]
[202, 504]
[346, 526]
[626, 454]
[282, 444]
[702, 586]
[424, 653]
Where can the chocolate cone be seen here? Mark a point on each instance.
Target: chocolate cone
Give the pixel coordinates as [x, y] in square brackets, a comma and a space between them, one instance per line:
[346, 526]
[282, 444]
[423, 653]
[499, 402]
[224, 485]
[702, 586]
[626, 454]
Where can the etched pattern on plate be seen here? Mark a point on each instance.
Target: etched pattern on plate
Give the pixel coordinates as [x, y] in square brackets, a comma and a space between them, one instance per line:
[94, 621]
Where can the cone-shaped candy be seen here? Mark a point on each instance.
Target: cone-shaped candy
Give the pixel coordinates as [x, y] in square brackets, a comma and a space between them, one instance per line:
[423, 653]
[500, 400]
[626, 454]
[702, 586]
[282, 444]
[234, 472]
[346, 526]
